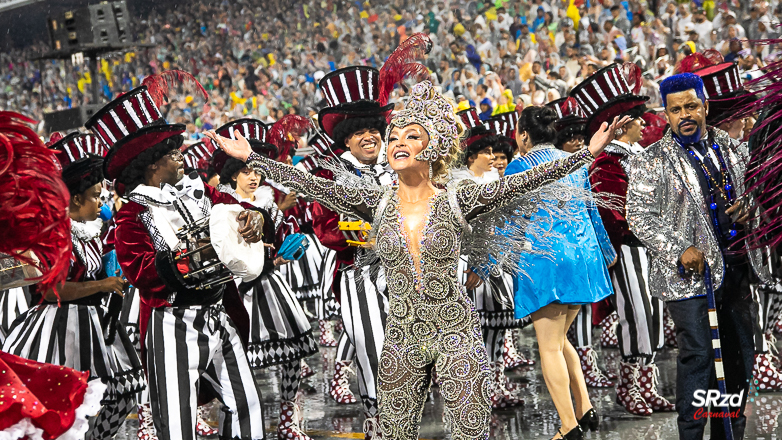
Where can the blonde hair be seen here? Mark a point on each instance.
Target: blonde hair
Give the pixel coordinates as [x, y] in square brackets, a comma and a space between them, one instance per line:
[435, 113]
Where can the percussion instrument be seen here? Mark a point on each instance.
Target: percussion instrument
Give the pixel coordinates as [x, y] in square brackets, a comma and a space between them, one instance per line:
[355, 231]
[15, 273]
[194, 267]
[293, 247]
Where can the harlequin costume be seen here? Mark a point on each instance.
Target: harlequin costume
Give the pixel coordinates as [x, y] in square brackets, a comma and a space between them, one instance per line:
[640, 316]
[280, 333]
[493, 299]
[326, 304]
[74, 333]
[187, 337]
[32, 408]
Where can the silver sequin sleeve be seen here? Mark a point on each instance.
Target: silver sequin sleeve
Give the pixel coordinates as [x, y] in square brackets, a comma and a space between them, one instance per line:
[344, 199]
[475, 200]
[646, 201]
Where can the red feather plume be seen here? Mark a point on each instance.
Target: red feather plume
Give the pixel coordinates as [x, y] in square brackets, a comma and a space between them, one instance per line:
[54, 138]
[35, 201]
[161, 85]
[653, 132]
[634, 76]
[283, 133]
[403, 63]
[697, 61]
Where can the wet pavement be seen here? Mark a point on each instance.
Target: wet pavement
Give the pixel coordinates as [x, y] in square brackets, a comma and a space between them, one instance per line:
[537, 419]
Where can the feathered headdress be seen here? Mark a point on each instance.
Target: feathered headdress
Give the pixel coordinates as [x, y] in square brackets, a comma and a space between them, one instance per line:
[161, 85]
[403, 63]
[35, 202]
[699, 60]
[284, 132]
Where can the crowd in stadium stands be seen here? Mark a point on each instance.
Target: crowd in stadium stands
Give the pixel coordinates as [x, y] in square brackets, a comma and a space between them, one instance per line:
[263, 58]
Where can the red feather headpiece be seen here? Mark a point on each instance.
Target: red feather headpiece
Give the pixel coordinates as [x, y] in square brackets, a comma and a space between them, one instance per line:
[403, 63]
[162, 84]
[35, 201]
[283, 133]
[698, 61]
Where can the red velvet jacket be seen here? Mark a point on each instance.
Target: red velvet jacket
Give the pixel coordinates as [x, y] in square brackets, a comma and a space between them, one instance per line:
[136, 256]
[608, 176]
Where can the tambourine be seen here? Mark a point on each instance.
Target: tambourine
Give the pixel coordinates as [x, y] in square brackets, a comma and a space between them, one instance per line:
[356, 232]
[15, 273]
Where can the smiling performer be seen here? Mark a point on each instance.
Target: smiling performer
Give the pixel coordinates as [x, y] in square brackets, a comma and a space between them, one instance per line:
[418, 231]
[356, 118]
[682, 205]
[69, 330]
[189, 343]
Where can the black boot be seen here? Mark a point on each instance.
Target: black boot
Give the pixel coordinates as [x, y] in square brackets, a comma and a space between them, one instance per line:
[590, 421]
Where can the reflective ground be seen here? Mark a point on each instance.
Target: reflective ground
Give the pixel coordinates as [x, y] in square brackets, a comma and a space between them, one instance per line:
[537, 419]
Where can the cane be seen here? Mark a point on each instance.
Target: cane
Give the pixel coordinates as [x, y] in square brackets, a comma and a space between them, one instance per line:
[715, 343]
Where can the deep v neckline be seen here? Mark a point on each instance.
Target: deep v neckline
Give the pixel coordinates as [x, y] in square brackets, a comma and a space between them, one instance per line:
[414, 254]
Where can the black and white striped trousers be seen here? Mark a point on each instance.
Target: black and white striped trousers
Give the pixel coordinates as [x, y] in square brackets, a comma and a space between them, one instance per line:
[640, 328]
[769, 313]
[326, 304]
[185, 344]
[580, 333]
[13, 302]
[364, 307]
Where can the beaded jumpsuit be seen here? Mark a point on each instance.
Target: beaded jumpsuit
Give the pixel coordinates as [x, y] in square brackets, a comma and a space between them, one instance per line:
[431, 321]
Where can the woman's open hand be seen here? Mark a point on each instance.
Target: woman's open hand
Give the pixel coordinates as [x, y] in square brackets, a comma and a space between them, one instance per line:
[239, 148]
[606, 134]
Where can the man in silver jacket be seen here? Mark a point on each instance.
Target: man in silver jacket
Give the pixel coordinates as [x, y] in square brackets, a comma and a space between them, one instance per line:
[683, 204]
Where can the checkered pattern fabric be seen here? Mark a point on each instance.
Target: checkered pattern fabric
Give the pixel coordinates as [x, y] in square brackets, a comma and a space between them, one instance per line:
[277, 352]
[110, 418]
[289, 383]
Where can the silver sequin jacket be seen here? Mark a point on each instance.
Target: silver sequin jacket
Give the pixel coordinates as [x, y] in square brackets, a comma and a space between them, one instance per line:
[666, 210]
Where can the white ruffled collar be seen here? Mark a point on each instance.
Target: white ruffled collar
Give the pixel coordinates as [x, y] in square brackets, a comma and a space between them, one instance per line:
[190, 185]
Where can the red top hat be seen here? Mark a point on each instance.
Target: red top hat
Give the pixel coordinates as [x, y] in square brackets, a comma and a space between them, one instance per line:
[568, 111]
[251, 129]
[611, 91]
[351, 92]
[320, 143]
[721, 80]
[309, 163]
[507, 122]
[129, 125]
[477, 129]
[197, 152]
[76, 146]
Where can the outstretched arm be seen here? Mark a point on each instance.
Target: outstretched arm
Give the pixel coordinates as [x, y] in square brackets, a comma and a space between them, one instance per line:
[358, 202]
[478, 199]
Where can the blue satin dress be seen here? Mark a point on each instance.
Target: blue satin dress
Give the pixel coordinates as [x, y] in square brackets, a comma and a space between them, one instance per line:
[569, 270]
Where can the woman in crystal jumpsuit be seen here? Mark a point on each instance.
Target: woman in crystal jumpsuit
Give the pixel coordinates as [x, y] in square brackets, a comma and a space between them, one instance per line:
[431, 322]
